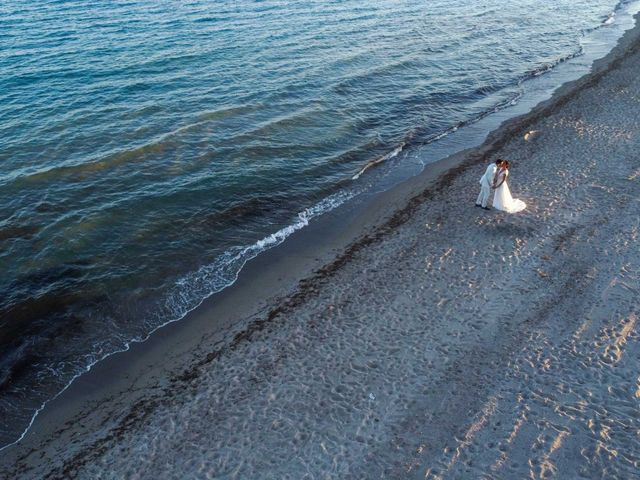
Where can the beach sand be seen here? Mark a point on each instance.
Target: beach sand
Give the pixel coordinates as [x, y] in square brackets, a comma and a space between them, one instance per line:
[421, 338]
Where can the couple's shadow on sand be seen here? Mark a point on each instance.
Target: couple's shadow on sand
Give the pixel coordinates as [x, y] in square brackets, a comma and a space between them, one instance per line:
[505, 229]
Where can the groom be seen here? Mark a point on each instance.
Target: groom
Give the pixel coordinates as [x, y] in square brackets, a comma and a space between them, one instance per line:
[486, 184]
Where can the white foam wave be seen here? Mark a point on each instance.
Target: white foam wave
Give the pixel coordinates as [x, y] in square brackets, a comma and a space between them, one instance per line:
[223, 272]
[610, 19]
[384, 158]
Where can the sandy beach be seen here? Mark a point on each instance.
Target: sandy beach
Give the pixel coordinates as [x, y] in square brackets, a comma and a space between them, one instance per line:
[420, 338]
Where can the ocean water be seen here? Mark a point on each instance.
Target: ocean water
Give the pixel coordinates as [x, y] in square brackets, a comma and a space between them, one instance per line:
[148, 149]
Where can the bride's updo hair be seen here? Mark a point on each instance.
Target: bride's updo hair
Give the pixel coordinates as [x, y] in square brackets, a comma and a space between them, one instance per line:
[505, 163]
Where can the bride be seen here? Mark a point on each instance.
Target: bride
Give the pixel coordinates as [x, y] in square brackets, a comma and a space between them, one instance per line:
[503, 199]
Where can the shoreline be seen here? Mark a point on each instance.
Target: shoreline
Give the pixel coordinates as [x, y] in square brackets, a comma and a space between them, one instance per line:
[276, 283]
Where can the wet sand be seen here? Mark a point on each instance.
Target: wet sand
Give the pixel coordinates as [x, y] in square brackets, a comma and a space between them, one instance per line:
[421, 338]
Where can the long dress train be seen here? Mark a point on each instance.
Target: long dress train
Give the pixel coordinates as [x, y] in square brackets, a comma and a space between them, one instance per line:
[503, 199]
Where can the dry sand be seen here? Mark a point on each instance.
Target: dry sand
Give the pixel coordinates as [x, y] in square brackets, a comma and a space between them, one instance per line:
[447, 342]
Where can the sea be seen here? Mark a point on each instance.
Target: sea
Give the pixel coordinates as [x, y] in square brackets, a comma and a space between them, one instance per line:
[149, 149]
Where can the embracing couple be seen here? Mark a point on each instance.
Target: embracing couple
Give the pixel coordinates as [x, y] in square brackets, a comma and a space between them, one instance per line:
[495, 179]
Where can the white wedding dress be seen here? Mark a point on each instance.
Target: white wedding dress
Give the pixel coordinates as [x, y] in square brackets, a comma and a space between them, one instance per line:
[503, 199]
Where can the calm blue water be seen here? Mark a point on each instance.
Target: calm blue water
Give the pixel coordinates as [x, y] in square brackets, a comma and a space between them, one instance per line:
[149, 148]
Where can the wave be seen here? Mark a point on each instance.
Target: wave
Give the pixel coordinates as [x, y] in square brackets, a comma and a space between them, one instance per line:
[610, 19]
[621, 4]
[379, 160]
[353, 81]
[134, 152]
[547, 67]
[192, 289]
